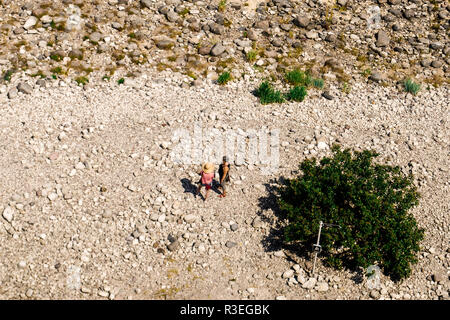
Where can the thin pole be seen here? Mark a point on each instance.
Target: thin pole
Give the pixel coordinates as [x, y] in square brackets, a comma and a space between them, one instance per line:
[317, 246]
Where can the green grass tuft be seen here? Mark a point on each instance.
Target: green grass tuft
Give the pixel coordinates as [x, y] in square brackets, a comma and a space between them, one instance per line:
[411, 86]
[318, 83]
[297, 77]
[251, 55]
[8, 74]
[224, 78]
[82, 80]
[298, 93]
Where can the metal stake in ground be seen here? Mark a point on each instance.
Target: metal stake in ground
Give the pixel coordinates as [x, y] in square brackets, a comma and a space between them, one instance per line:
[317, 247]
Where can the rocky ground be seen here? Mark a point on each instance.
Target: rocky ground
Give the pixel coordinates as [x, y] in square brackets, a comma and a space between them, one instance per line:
[381, 41]
[92, 205]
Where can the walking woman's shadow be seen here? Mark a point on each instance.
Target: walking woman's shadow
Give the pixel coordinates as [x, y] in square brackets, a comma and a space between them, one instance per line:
[188, 186]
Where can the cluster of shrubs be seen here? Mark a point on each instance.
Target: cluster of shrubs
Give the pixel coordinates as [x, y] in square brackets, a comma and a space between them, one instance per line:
[368, 203]
[299, 80]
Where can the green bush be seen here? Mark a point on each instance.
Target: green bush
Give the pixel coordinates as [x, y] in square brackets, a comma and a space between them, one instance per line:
[121, 81]
[369, 202]
[267, 94]
[298, 93]
[411, 86]
[224, 78]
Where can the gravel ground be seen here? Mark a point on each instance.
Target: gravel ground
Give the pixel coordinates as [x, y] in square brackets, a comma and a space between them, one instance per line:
[93, 207]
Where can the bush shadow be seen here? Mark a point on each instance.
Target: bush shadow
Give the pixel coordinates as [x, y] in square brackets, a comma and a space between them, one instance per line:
[270, 212]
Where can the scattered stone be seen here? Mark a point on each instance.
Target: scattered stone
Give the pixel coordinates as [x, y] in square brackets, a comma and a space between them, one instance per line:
[438, 277]
[321, 286]
[103, 293]
[375, 294]
[12, 93]
[85, 290]
[31, 22]
[263, 24]
[437, 64]
[25, 88]
[279, 254]
[204, 50]
[95, 37]
[8, 214]
[322, 143]
[172, 16]
[217, 49]
[376, 76]
[29, 293]
[310, 283]
[257, 223]
[312, 35]
[382, 39]
[217, 28]
[76, 54]
[288, 274]
[164, 43]
[146, 3]
[173, 246]
[331, 38]
[302, 21]
[190, 218]
[327, 95]
[230, 244]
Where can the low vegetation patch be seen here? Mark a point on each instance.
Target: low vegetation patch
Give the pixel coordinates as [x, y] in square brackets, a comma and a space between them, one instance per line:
[8, 74]
[297, 77]
[57, 70]
[222, 5]
[411, 86]
[251, 55]
[224, 78]
[56, 57]
[298, 93]
[81, 80]
[267, 94]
